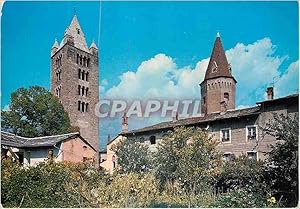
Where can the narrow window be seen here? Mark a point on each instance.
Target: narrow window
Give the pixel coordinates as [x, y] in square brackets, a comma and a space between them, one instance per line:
[79, 105]
[82, 106]
[80, 60]
[204, 101]
[84, 61]
[82, 74]
[86, 91]
[114, 161]
[88, 62]
[225, 135]
[79, 73]
[82, 90]
[77, 60]
[78, 30]
[226, 97]
[87, 76]
[86, 107]
[79, 89]
[152, 140]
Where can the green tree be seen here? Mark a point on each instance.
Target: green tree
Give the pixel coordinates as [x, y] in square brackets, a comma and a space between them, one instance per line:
[242, 172]
[132, 156]
[282, 169]
[188, 157]
[35, 112]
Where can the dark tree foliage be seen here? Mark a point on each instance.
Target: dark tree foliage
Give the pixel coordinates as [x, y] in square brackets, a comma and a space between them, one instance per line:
[35, 112]
[282, 169]
[241, 173]
[132, 156]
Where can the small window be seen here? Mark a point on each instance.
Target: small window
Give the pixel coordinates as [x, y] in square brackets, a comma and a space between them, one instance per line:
[84, 159]
[152, 140]
[82, 106]
[88, 62]
[86, 107]
[84, 147]
[82, 90]
[252, 155]
[87, 76]
[227, 156]
[79, 73]
[50, 154]
[226, 135]
[251, 133]
[86, 91]
[226, 96]
[79, 89]
[78, 30]
[82, 75]
[79, 105]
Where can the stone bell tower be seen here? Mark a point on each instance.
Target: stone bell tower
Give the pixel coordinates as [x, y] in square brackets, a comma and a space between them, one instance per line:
[218, 86]
[74, 80]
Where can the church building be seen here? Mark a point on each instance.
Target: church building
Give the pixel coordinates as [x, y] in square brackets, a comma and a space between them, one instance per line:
[75, 80]
[239, 131]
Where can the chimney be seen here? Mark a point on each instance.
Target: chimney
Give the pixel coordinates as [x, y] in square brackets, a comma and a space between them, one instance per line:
[175, 118]
[270, 93]
[124, 123]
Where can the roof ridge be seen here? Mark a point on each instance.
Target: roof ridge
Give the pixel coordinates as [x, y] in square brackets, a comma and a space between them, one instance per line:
[51, 136]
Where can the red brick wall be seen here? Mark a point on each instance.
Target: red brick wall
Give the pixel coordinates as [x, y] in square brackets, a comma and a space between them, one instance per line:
[74, 150]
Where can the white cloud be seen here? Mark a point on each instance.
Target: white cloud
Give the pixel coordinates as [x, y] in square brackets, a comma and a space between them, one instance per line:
[6, 108]
[289, 82]
[254, 67]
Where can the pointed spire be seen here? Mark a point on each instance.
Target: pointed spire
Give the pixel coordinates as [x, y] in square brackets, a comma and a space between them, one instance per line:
[55, 45]
[218, 65]
[93, 45]
[74, 31]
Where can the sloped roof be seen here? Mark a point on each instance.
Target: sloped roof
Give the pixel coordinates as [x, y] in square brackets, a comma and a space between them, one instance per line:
[198, 120]
[218, 65]
[74, 30]
[12, 140]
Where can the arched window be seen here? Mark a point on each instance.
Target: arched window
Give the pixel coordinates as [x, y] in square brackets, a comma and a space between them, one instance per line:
[87, 76]
[84, 60]
[82, 91]
[152, 140]
[88, 62]
[79, 89]
[79, 105]
[226, 96]
[79, 73]
[82, 74]
[86, 91]
[86, 107]
[82, 106]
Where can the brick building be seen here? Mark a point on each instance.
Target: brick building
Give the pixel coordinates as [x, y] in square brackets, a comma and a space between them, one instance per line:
[74, 80]
[238, 131]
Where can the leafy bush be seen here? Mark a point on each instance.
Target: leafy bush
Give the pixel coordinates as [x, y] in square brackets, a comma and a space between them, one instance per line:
[46, 185]
[240, 198]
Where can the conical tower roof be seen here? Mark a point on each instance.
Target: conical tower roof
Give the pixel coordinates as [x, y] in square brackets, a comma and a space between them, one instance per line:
[93, 45]
[218, 65]
[74, 30]
[55, 45]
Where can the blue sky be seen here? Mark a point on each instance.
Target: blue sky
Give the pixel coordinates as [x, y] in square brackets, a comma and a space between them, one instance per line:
[260, 38]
